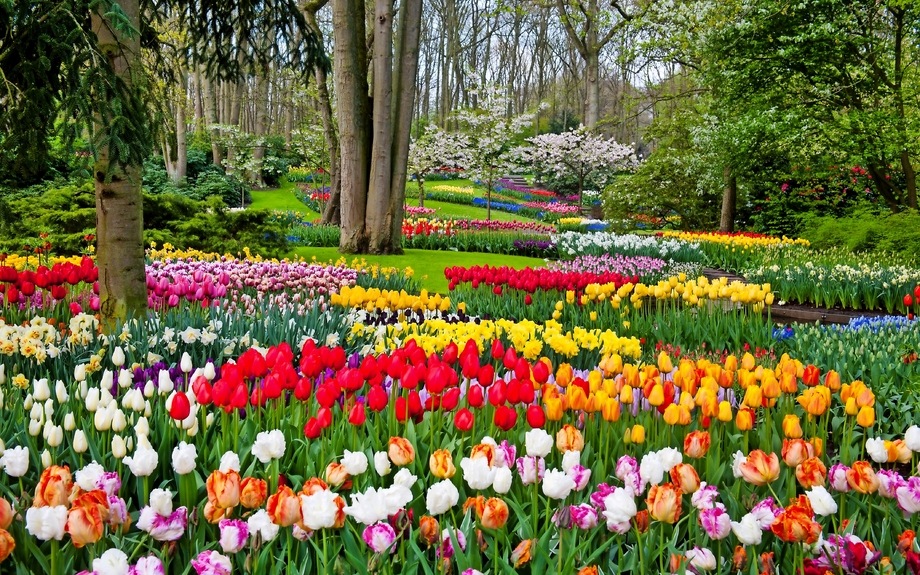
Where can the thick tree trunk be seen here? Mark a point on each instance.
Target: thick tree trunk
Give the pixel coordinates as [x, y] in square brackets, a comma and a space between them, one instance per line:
[890, 194]
[199, 102]
[119, 203]
[729, 200]
[378, 194]
[405, 74]
[181, 166]
[352, 110]
[910, 177]
[593, 89]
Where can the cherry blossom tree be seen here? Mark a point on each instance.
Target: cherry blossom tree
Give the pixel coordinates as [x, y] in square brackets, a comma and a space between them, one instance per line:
[435, 149]
[581, 153]
[490, 130]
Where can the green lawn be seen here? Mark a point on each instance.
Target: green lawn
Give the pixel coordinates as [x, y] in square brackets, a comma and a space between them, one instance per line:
[282, 198]
[448, 210]
[428, 264]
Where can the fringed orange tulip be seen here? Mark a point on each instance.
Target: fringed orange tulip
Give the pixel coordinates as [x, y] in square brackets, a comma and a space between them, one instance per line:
[760, 468]
[697, 443]
[811, 473]
[664, 503]
[861, 477]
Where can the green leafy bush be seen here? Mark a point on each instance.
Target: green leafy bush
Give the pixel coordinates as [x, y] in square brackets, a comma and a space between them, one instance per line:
[866, 231]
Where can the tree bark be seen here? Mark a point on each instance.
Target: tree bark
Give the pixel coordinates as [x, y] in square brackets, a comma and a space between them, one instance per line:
[119, 202]
[406, 73]
[729, 200]
[378, 194]
[213, 97]
[352, 111]
[181, 165]
[260, 126]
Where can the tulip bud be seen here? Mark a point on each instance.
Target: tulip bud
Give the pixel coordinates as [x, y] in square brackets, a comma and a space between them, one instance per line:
[142, 427]
[92, 400]
[79, 372]
[41, 390]
[118, 421]
[107, 380]
[46, 459]
[185, 363]
[102, 420]
[80, 445]
[149, 389]
[119, 449]
[35, 427]
[209, 372]
[125, 379]
[28, 402]
[164, 383]
[69, 422]
[60, 390]
[637, 434]
[55, 436]
[118, 357]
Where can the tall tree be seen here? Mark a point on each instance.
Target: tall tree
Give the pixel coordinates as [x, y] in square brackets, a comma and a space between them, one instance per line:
[374, 135]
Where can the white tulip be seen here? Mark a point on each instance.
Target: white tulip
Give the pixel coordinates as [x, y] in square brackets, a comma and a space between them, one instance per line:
[92, 399]
[143, 462]
[87, 477]
[193, 430]
[538, 443]
[355, 462]
[41, 390]
[102, 420]
[161, 502]
[118, 357]
[35, 427]
[912, 438]
[149, 389]
[142, 427]
[183, 458]
[46, 459]
[125, 379]
[46, 523]
[441, 497]
[229, 461]
[269, 445]
[2, 374]
[60, 390]
[502, 481]
[129, 443]
[15, 461]
[28, 402]
[83, 389]
[118, 421]
[69, 422]
[557, 484]
[79, 372]
[381, 463]
[119, 449]
[55, 436]
[148, 411]
[49, 408]
[108, 380]
[821, 501]
[209, 372]
[164, 384]
[80, 445]
[37, 412]
[209, 419]
[185, 363]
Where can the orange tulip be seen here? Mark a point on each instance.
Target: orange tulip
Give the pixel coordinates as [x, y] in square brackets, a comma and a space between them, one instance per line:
[484, 451]
[811, 473]
[795, 524]
[224, 489]
[861, 477]
[709, 403]
[640, 522]
[746, 379]
[815, 400]
[739, 558]
[769, 385]
[429, 530]
[792, 426]
[6, 514]
[569, 439]
[744, 421]
[795, 451]
[753, 397]
[494, 514]
[401, 451]
[898, 451]
[313, 486]
[213, 515]
[611, 409]
[339, 513]
[521, 554]
[760, 468]
[664, 502]
[441, 464]
[7, 544]
[788, 383]
[577, 398]
[664, 363]
[697, 443]
[866, 416]
[336, 475]
[685, 476]
[818, 444]
[747, 361]
[53, 487]
[284, 507]
[86, 518]
[564, 375]
[655, 394]
[832, 381]
[477, 504]
[590, 570]
[637, 434]
[253, 492]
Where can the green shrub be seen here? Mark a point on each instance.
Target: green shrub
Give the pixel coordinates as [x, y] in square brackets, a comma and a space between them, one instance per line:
[66, 214]
[867, 231]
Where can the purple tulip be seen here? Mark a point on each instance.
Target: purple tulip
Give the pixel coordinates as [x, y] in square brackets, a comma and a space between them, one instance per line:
[379, 536]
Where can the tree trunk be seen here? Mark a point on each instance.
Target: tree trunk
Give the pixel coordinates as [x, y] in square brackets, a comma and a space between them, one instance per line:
[593, 88]
[729, 200]
[119, 203]
[199, 102]
[890, 194]
[181, 165]
[351, 86]
[260, 126]
[213, 97]
[378, 195]
[910, 177]
[405, 74]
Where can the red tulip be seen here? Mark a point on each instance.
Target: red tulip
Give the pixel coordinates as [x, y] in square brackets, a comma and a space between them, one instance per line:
[312, 429]
[526, 393]
[368, 367]
[908, 301]
[272, 386]
[463, 419]
[498, 349]
[27, 289]
[401, 410]
[58, 292]
[486, 375]
[410, 378]
[221, 393]
[475, 396]
[437, 379]
[377, 398]
[498, 393]
[303, 389]
[75, 308]
[811, 376]
[470, 366]
[450, 353]
[917, 291]
[540, 372]
[324, 417]
[240, 397]
[451, 399]
[505, 417]
[357, 415]
[415, 404]
[528, 300]
[510, 359]
[258, 397]
[535, 416]
[337, 359]
[522, 369]
[201, 387]
[513, 392]
[326, 395]
[180, 407]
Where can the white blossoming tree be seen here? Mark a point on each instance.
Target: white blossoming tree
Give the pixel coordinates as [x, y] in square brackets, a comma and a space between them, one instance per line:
[434, 149]
[580, 153]
[490, 132]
